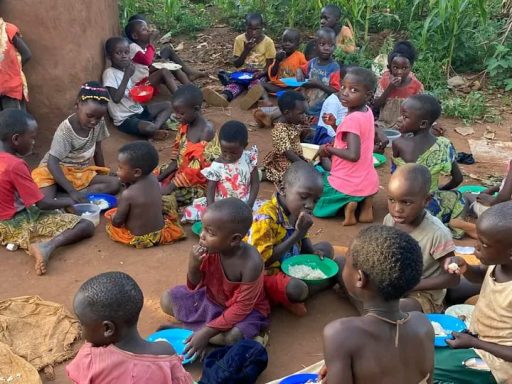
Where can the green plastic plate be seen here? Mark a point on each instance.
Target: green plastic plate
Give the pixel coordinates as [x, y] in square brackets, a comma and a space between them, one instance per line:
[197, 227]
[476, 189]
[378, 160]
[327, 266]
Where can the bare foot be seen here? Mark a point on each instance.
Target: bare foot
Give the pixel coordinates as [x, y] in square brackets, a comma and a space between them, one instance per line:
[41, 252]
[197, 75]
[350, 214]
[366, 215]
[263, 120]
[161, 134]
[467, 227]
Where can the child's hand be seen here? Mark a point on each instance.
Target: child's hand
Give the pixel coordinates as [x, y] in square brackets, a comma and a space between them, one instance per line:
[462, 340]
[78, 197]
[299, 75]
[304, 222]
[323, 151]
[395, 82]
[130, 70]
[280, 56]
[196, 343]
[198, 253]
[249, 45]
[437, 130]
[455, 265]
[322, 374]
[313, 84]
[485, 199]
[329, 119]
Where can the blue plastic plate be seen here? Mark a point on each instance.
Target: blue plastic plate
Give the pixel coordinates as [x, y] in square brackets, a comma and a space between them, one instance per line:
[300, 378]
[110, 199]
[174, 336]
[280, 93]
[292, 82]
[242, 77]
[449, 323]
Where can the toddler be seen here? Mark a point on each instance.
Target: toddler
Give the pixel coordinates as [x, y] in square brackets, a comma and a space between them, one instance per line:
[224, 299]
[15, 54]
[138, 220]
[408, 195]
[353, 178]
[28, 219]
[131, 117]
[108, 307]
[330, 16]
[233, 174]
[384, 334]
[66, 167]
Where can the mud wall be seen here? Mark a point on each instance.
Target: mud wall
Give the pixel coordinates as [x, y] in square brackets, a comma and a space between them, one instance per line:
[66, 38]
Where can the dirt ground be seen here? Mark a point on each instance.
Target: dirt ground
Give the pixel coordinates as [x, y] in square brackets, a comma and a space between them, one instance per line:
[294, 342]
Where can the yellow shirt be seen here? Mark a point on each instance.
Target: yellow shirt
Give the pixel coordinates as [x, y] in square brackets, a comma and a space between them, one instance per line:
[257, 58]
[345, 40]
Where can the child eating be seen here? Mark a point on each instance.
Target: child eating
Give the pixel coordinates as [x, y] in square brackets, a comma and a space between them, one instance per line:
[330, 17]
[131, 117]
[383, 264]
[66, 167]
[108, 307]
[408, 195]
[233, 174]
[280, 230]
[138, 220]
[224, 299]
[353, 178]
[26, 215]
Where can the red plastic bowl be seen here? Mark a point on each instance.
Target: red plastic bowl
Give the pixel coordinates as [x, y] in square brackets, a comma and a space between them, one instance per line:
[141, 93]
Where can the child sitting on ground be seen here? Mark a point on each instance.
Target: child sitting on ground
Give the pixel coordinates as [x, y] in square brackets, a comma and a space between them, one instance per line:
[108, 307]
[408, 195]
[405, 339]
[280, 231]
[195, 147]
[396, 84]
[138, 219]
[233, 174]
[419, 145]
[352, 179]
[131, 117]
[478, 204]
[15, 54]
[224, 299]
[330, 17]
[66, 166]
[26, 215]
[254, 52]
[142, 54]
[490, 331]
[286, 134]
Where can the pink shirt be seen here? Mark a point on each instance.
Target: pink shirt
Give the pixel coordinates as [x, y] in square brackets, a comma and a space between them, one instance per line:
[101, 365]
[355, 178]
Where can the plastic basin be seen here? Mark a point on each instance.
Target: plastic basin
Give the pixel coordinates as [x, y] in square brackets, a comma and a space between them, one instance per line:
[174, 336]
[141, 93]
[88, 211]
[327, 266]
[392, 135]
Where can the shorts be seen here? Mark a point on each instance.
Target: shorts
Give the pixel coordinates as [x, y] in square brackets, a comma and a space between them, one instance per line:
[428, 305]
[131, 124]
[275, 288]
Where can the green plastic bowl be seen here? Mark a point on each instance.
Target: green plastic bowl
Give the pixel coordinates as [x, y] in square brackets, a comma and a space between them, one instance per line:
[197, 227]
[378, 160]
[475, 189]
[327, 266]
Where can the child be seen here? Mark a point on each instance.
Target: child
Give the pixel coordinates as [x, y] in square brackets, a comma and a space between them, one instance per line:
[138, 220]
[280, 230]
[419, 145]
[15, 54]
[286, 134]
[408, 195]
[26, 215]
[254, 52]
[330, 17]
[478, 204]
[195, 147]
[398, 339]
[396, 84]
[353, 178]
[66, 166]
[142, 54]
[130, 117]
[489, 336]
[224, 300]
[108, 306]
[233, 174]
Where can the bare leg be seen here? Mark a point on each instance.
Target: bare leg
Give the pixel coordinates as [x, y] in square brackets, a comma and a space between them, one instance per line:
[104, 184]
[271, 88]
[410, 305]
[366, 214]
[467, 227]
[163, 76]
[462, 292]
[168, 53]
[181, 76]
[50, 191]
[230, 337]
[160, 112]
[166, 303]
[350, 214]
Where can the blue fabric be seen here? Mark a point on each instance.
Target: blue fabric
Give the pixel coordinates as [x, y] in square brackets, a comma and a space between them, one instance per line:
[321, 136]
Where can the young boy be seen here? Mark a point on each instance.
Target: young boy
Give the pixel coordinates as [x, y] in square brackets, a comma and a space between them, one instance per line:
[383, 264]
[138, 220]
[129, 116]
[330, 16]
[26, 215]
[408, 195]
[224, 299]
[108, 307]
[490, 336]
[280, 230]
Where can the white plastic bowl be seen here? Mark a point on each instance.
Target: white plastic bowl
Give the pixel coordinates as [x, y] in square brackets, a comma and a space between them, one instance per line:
[309, 150]
[89, 212]
[392, 135]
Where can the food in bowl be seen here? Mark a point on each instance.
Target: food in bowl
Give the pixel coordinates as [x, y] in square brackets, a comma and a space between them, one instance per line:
[305, 272]
[309, 150]
[102, 203]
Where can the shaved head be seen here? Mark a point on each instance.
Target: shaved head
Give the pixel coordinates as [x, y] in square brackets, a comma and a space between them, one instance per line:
[497, 221]
[413, 175]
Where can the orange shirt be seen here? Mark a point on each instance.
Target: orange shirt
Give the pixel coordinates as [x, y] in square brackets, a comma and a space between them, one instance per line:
[11, 75]
[287, 68]
[345, 39]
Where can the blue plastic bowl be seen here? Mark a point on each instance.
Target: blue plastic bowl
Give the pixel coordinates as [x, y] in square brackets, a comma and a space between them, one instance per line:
[242, 77]
[110, 199]
[299, 378]
[292, 82]
[449, 323]
[280, 93]
[176, 337]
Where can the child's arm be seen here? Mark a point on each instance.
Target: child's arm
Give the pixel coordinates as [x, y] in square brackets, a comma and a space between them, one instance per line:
[351, 153]
[441, 281]
[394, 82]
[238, 61]
[56, 171]
[255, 187]
[210, 191]
[466, 340]
[194, 274]
[455, 180]
[473, 273]
[274, 67]
[117, 94]
[292, 156]
[487, 198]
[23, 49]
[99, 160]
[123, 210]
[318, 84]
[167, 171]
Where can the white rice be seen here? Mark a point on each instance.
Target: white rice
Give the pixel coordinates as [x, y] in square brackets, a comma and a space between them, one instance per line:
[438, 329]
[304, 272]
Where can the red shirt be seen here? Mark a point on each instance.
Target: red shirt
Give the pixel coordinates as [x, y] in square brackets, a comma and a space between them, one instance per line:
[238, 298]
[17, 189]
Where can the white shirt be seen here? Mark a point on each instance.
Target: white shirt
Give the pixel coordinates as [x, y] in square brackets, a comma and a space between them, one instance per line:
[332, 105]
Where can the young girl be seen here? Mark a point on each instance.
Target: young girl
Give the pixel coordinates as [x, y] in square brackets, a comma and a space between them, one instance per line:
[28, 218]
[194, 149]
[108, 307]
[353, 178]
[253, 51]
[224, 299]
[419, 145]
[66, 167]
[233, 174]
[396, 84]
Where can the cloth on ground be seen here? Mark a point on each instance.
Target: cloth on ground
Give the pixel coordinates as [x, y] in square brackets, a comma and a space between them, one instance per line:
[14, 369]
[80, 178]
